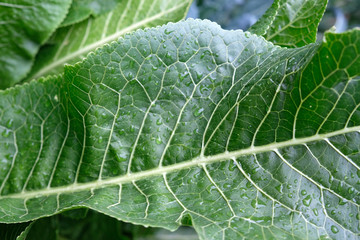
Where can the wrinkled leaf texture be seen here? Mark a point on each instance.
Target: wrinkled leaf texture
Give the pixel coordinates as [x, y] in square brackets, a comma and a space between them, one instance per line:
[291, 23]
[249, 139]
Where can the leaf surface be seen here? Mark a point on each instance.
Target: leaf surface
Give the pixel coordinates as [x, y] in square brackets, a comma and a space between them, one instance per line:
[291, 23]
[14, 231]
[249, 139]
[24, 27]
[71, 44]
[82, 9]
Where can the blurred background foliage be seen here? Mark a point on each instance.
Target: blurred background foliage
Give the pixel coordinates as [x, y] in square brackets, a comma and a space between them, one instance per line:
[241, 14]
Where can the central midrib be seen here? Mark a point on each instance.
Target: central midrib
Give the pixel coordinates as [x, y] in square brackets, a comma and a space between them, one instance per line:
[175, 167]
[102, 41]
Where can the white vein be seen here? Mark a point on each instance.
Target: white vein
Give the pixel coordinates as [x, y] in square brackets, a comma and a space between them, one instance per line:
[179, 166]
[102, 41]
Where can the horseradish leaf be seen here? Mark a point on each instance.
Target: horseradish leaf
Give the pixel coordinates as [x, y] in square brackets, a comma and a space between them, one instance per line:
[248, 139]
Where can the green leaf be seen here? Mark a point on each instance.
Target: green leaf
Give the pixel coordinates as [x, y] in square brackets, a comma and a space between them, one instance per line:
[14, 231]
[291, 23]
[44, 228]
[24, 27]
[82, 9]
[97, 226]
[248, 139]
[73, 43]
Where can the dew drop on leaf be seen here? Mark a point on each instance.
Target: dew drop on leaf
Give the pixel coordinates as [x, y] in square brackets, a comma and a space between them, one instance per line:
[342, 202]
[253, 203]
[307, 201]
[279, 188]
[232, 167]
[351, 190]
[334, 229]
[132, 129]
[6, 133]
[9, 123]
[198, 112]
[315, 211]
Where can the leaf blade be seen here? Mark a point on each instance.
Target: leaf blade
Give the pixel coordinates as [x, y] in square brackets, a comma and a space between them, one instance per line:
[231, 175]
[22, 35]
[93, 33]
[291, 23]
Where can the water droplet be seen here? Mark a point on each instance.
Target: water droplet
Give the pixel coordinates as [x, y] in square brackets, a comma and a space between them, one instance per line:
[198, 112]
[290, 195]
[315, 211]
[351, 190]
[158, 122]
[121, 132]
[342, 202]
[244, 196]
[168, 56]
[183, 75]
[199, 75]
[253, 203]
[358, 216]
[334, 229]
[279, 188]
[307, 201]
[100, 139]
[9, 123]
[130, 75]
[167, 31]
[164, 46]
[232, 166]
[132, 129]
[6, 133]
[333, 212]
[158, 141]
[154, 68]
[303, 192]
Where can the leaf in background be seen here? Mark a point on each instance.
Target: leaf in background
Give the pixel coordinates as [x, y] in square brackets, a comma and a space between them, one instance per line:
[71, 44]
[82, 9]
[14, 231]
[291, 23]
[249, 139]
[77, 213]
[24, 26]
[44, 228]
[231, 14]
[97, 226]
